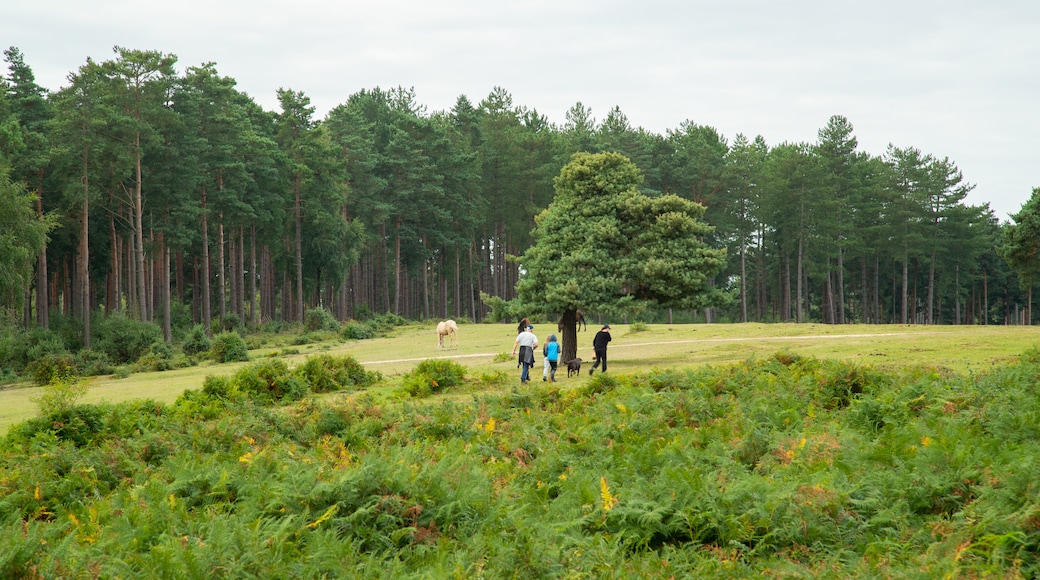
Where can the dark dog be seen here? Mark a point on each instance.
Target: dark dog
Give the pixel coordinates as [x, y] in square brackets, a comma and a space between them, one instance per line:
[574, 366]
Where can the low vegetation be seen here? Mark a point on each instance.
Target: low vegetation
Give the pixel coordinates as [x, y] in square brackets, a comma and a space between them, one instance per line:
[779, 466]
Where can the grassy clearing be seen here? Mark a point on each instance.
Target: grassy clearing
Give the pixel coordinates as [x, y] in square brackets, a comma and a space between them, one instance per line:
[792, 464]
[960, 349]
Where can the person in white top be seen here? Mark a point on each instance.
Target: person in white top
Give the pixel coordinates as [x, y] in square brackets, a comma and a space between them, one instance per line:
[527, 342]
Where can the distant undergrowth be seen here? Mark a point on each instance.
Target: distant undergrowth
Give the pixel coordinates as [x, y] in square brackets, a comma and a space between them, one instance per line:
[781, 467]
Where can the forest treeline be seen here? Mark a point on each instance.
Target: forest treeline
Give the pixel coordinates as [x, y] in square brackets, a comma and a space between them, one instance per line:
[175, 196]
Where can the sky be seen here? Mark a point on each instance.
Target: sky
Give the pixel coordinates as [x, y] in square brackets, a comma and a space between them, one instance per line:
[957, 79]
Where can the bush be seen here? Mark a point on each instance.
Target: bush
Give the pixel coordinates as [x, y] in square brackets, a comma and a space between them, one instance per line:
[195, 341]
[228, 347]
[230, 322]
[158, 358]
[325, 373]
[377, 326]
[217, 386]
[123, 339]
[433, 376]
[79, 425]
[61, 395]
[91, 363]
[18, 349]
[52, 367]
[386, 322]
[320, 319]
[268, 381]
[354, 330]
[638, 327]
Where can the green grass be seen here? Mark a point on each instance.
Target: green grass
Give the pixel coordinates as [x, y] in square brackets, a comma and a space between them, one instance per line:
[956, 348]
[733, 451]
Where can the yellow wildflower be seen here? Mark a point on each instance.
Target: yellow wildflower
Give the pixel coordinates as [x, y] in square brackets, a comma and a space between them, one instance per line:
[604, 491]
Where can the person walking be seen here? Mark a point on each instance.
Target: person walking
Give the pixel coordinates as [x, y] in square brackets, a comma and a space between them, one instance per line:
[599, 348]
[551, 352]
[527, 342]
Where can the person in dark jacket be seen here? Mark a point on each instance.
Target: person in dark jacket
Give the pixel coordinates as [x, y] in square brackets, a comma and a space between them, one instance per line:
[599, 347]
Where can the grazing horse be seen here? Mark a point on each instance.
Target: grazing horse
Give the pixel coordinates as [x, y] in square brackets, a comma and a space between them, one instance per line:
[451, 330]
[579, 322]
[524, 323]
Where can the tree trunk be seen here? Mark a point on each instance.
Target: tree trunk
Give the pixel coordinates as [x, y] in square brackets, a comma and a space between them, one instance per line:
[397, 266]
[166, 293]
[115, 284]
[864, 299]
[207, 315]
[956, 294]
[985, 299]
[240, 269]
[42, 295]
[743, 279]
[252, 276]
[221, 281]
[840, 290]
[425, 283]
[299, 246]
[142, 289]
[84, 254]
[930, 314]
[799, 297]
[905, 290]
[568, 327]
[233, 277]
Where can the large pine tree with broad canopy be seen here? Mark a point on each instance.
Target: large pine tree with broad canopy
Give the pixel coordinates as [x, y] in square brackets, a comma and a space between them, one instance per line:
[602, 246]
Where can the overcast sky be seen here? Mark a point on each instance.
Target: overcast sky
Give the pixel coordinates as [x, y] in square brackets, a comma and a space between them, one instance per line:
[953, 78]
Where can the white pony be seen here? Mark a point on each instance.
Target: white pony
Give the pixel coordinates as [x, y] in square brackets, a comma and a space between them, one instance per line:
[451, 330]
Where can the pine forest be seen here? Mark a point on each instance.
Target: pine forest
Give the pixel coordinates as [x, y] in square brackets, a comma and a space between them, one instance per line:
[175, 198]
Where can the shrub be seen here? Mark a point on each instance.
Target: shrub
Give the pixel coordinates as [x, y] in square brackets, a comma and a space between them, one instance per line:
[52, 367]
[228, 347]
[638, 327]
[216, 386]
[599, 384]
[320, 319]
[495, 378]
[79, 425]
[17, 348]
[91, 363]
[230, 322]
[125, 340]
[325, 373]
[839, 383]
[433, 376]
[268, 381]
[158, 358]
[354, 330]
[388, 321]
[196, 341]
[60, 395]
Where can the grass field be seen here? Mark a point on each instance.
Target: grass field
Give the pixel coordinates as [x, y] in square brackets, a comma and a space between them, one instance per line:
[706, 451]
[961, 349]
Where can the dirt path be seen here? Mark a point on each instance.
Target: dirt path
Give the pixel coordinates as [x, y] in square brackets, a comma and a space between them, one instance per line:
[685, 341]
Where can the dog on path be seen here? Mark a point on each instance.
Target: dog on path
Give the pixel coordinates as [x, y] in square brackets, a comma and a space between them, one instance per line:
[574, 366]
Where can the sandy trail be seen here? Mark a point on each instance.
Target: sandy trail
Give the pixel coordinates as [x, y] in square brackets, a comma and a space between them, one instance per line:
[685, 341]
